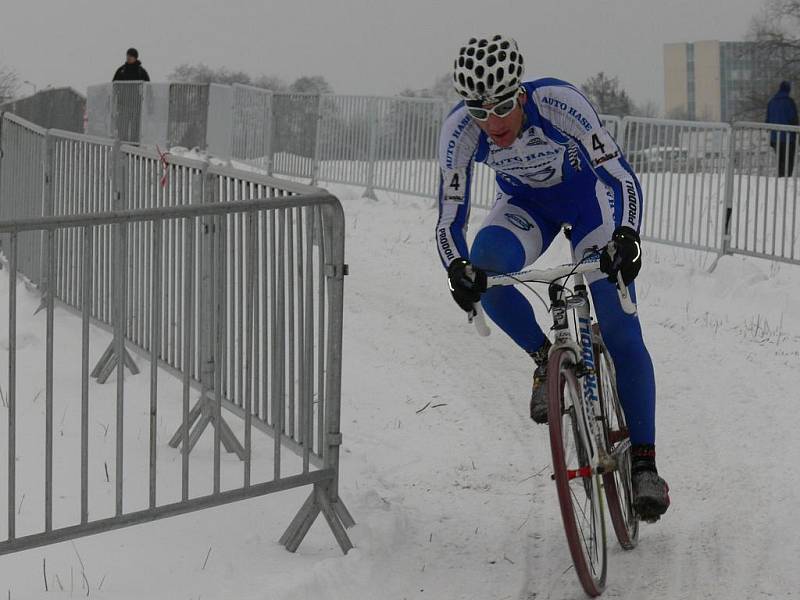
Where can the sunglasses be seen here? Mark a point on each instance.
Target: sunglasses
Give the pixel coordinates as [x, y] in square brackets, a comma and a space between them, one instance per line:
[501, 109]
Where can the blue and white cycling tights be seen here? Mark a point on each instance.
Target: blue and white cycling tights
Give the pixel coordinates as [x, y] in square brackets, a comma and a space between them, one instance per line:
[514, 234]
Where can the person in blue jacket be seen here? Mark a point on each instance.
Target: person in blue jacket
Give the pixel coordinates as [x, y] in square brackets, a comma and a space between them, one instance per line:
[555, 163]
[782, 110]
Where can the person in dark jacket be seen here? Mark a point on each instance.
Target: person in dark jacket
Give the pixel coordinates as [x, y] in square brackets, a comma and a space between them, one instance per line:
[132, 70]
[128, 97]
[782, 110]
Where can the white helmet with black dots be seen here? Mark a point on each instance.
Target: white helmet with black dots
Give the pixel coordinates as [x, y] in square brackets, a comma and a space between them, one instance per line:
[487, 69]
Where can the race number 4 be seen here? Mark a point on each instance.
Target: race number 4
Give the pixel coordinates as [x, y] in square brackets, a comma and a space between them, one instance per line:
[600, 146]
[597, 144]
[455, 185]
[454, 182]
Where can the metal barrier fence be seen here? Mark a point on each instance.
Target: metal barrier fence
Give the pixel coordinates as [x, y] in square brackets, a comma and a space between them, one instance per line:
[61, 108]
[126, 107]
[682, 168]
[346, 143]
[762, 209]
[22, 159]
[707, 186]
[295, 122]
[613, 124]
[188, 115]
[228, 281]
[171, 114]
[81, 171]
[252, 126]
[376, 142]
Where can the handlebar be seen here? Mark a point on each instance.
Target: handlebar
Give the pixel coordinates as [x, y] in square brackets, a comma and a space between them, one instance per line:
[546, 275]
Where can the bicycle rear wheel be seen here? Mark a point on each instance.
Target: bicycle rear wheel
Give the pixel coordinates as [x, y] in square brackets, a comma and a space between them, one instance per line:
[619, 490]
[579, 489]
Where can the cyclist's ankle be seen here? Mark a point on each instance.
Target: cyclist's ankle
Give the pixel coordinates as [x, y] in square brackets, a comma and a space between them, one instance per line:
[539, 355]
[643, 458]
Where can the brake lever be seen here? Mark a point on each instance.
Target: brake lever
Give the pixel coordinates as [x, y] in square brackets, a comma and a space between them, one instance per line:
[628, 307]
[479, 319]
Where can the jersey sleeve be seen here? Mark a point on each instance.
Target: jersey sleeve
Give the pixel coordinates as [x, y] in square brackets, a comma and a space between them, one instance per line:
[568, 111]
[457, 145]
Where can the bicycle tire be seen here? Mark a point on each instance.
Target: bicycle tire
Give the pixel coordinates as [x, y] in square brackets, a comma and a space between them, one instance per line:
[619, 490]
[579, 490]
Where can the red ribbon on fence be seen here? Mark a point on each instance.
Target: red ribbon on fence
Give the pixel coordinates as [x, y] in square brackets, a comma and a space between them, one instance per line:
[162, 158]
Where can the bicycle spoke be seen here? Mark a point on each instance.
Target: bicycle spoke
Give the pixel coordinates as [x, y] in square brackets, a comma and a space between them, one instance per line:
[617, 484]
[591, 544]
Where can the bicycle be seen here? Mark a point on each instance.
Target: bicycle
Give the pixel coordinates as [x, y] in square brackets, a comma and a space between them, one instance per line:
[590, 444]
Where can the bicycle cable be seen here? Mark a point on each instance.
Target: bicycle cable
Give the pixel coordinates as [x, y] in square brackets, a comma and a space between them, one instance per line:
[587, 254]
[525, 284]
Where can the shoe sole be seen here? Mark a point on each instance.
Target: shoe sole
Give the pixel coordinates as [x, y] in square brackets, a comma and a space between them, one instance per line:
[540, 420]
[649, 510]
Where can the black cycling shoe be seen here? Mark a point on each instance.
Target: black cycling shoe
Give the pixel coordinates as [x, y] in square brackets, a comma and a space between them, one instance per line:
[650, 492]
[650, 495]
[539, 393]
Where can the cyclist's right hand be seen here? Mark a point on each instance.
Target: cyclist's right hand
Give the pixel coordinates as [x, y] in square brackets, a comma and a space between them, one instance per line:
[466, 283]
[622, 255]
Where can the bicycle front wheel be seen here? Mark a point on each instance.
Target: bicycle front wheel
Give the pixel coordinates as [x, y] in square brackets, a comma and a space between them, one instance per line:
[618, 486]
[580, 493]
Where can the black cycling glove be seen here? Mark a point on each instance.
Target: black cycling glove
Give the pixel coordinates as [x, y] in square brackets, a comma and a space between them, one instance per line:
[625, 257]
[466, 282]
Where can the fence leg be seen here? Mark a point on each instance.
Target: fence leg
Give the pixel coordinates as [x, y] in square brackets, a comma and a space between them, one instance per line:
[318, 502]
[728, 204]
[108, 361]
[204, 409]
[373, 148]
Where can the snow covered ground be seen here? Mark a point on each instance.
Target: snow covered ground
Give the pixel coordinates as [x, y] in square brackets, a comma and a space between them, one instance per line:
[449, 480]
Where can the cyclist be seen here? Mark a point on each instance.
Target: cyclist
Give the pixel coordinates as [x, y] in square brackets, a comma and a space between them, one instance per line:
[555, 164]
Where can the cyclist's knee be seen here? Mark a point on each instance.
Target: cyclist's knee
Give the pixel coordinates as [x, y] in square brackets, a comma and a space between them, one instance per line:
[497, 250]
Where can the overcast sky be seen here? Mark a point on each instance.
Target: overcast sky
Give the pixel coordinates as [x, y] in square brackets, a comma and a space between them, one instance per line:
[360, 46]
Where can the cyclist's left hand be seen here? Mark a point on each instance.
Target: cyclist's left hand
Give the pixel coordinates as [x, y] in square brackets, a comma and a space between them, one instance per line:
[624, 257]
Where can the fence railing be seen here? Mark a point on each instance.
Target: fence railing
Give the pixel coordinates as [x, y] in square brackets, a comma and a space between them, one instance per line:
[762, 209]
[700, 179]
[61, 108]
[22, 177]
[252, 126]
[228, 282]
[681, 166]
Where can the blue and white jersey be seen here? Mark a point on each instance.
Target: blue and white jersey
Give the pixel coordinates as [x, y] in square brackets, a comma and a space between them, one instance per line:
[561, 136]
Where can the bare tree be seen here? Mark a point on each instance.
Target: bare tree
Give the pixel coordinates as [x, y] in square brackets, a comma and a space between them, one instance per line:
[647, 109]
[9, 83]
[201, 73]
[773, 52]
[270, 82]
[442, 88]
[607, 95]
[315, 84]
